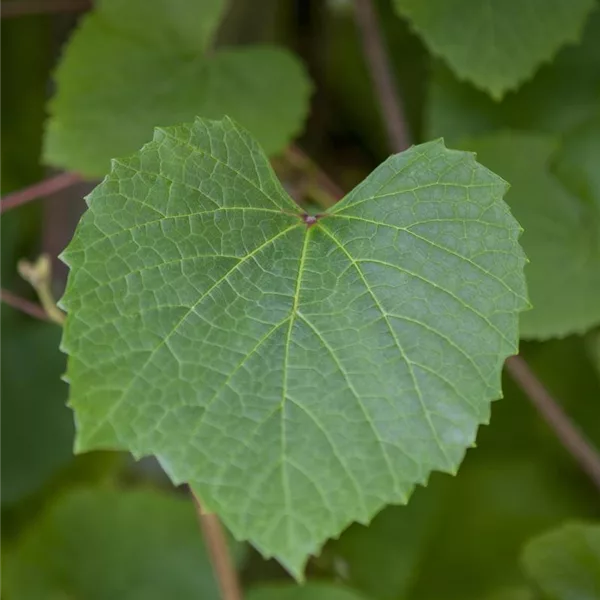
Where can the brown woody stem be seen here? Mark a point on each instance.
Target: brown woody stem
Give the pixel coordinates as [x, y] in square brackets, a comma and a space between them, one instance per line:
[22, 304]
[569, 435]
[382, 74]
[39, 190]
[220, 556]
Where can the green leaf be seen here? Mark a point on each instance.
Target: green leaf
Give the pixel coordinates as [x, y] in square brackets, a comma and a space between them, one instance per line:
[491, 509]
[561, 96]
[37, 427]
[565, 562]
[577, 161]
[510, 488]
[496, 45]
[516, 593]
[560, 239]
[299, 376]
[112, 545]
[310, 591]
[121, 76]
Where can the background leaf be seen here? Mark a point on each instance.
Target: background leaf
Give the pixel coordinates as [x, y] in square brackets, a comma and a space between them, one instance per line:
[577, 162]
[560, 238]
[311, 591]
[496, 45]
[37, 427]
[565, 562]
[121, 76]
[227, 328]
[112, 545]
[516, 593]
[560, 97]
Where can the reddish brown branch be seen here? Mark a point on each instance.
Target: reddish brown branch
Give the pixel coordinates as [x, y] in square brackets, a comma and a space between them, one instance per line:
[297, 156]
[568, 434]
[39, 190]
[382, 74]
[25, 306]
[220, 556]
[19, 8]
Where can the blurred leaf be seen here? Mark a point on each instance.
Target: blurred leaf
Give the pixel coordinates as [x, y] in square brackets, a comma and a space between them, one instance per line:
[560, 238]
[492, 508]
[37, 426]
[496, 45]
[121, 76]
[578, 161]
[310, 591]
[565, 562]
[561, 96]
[112, 545]
[516, 593]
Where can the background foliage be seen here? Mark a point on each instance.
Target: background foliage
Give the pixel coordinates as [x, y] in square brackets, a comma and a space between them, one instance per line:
[518, 82]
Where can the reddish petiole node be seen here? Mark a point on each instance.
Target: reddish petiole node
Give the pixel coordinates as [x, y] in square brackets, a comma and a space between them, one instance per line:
[310, 219]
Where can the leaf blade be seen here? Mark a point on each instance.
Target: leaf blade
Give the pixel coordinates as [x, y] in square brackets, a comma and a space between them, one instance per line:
[254, 354]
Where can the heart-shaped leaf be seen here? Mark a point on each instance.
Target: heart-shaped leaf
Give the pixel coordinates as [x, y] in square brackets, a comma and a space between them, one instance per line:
[121, 75]
[300, 372]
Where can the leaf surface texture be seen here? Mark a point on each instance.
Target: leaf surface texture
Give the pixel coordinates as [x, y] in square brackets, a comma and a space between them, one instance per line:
[298, 377]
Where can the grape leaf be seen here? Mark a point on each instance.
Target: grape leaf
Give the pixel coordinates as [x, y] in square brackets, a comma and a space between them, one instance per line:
[496, 45]
[565, 562]
[299, 372]
[561, 96]
[112, 545]
[310, 591]
[560, 239]
[37, 427]
[121, 75]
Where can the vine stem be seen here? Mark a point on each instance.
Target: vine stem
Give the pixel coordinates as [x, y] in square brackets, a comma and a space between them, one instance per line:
[220, 557]
[567, 433]
[38, 190]
[22, 304]
[19, 8]
[381, 72]
[326, 191]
